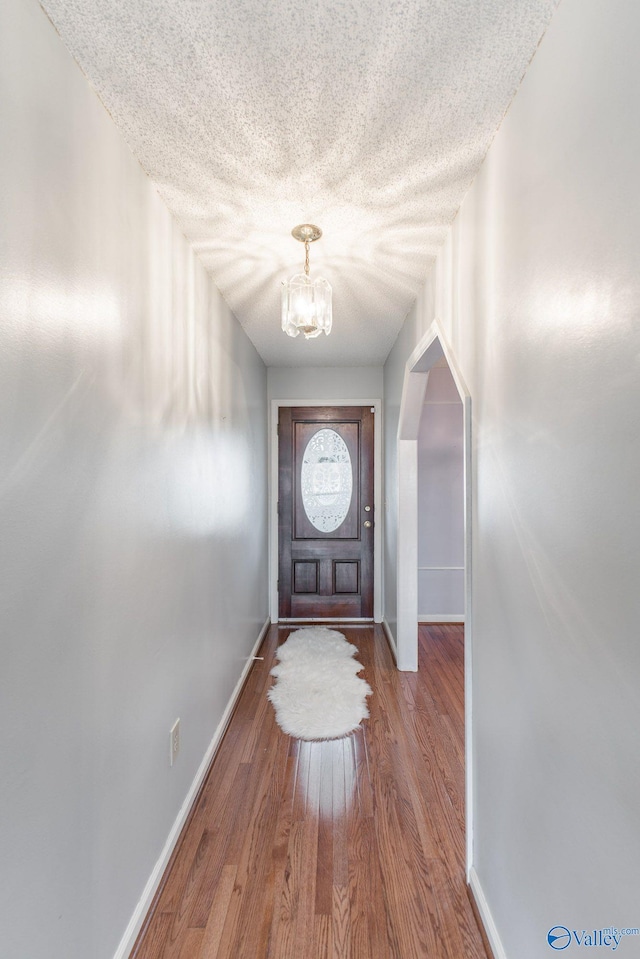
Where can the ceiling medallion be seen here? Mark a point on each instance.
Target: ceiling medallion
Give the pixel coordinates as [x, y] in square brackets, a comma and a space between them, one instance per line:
[306, 303]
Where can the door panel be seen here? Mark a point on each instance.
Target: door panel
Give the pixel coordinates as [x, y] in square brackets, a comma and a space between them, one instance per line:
[325, 483]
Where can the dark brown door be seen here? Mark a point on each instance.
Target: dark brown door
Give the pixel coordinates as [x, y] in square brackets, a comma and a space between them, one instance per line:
[325, 512]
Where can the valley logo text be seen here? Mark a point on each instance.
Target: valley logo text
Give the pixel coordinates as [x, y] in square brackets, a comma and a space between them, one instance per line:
[609, 937]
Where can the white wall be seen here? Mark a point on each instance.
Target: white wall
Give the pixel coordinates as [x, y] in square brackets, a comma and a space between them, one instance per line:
[415, 326]
[441, 500]
[539, 293]
[324, 383]
[132, 514]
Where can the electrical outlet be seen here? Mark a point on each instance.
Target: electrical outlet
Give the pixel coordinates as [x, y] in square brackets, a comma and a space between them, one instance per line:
[174, 742]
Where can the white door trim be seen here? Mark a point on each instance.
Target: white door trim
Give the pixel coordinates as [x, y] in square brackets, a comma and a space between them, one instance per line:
[376, 404]
[429, 350]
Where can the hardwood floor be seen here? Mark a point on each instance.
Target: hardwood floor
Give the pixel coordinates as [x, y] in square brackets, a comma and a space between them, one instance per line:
[349, 849]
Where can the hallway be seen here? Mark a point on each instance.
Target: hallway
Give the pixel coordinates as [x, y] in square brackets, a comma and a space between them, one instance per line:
[351, 847]
[476, 187]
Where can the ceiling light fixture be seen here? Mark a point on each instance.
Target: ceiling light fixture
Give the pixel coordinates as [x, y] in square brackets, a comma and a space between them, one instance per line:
[306, 303]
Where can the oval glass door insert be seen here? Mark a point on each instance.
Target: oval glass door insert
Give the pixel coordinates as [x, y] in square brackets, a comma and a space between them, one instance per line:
[326, 480]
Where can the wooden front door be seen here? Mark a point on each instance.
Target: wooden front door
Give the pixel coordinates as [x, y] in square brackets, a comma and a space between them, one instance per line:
[325, 512]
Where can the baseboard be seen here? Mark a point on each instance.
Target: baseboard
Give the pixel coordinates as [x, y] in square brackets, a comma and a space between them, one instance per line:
[441, 617]
[136, 922]
[486, 918]
[350, 621]
[390, 639]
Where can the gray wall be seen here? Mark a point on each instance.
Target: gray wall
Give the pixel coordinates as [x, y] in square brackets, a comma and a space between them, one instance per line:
[441, 501]
[538, 290]
[133, 508]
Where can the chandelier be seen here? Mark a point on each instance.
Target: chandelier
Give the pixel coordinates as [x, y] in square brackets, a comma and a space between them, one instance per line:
[306, 303]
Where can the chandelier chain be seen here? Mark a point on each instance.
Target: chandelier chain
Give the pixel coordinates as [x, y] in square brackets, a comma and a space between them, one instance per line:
[306, 257]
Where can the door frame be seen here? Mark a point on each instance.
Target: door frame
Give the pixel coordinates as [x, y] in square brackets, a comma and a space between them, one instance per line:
[432, 346]
[377, 496]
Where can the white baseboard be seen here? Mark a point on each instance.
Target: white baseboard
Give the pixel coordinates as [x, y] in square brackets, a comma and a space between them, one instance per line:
[441, 617]
[135, 924]
[338, 620]
[485, 914]
[390, 639]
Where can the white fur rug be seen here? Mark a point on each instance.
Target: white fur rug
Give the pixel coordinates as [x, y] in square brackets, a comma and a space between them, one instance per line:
[318, 694]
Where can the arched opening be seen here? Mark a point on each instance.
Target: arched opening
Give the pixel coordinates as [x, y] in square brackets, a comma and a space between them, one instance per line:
[431, 350]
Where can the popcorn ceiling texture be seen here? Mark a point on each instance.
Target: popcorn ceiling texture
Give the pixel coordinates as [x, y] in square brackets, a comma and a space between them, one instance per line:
[367, 117]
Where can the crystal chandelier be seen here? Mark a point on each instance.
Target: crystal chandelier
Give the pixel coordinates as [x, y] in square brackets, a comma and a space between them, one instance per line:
[306, 303]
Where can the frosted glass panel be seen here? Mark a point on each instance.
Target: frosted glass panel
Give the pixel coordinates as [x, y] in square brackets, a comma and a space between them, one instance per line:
[326, 480]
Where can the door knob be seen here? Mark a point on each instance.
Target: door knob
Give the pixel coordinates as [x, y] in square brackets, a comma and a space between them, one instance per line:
[367, 523]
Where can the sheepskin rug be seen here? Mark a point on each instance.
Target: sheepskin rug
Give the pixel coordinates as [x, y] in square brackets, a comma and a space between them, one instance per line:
[318, 693]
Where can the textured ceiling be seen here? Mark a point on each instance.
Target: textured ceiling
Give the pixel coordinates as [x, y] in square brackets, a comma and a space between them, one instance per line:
[367, 117]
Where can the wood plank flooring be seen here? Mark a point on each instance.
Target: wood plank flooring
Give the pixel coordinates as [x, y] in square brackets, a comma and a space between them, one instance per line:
[349, 849]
